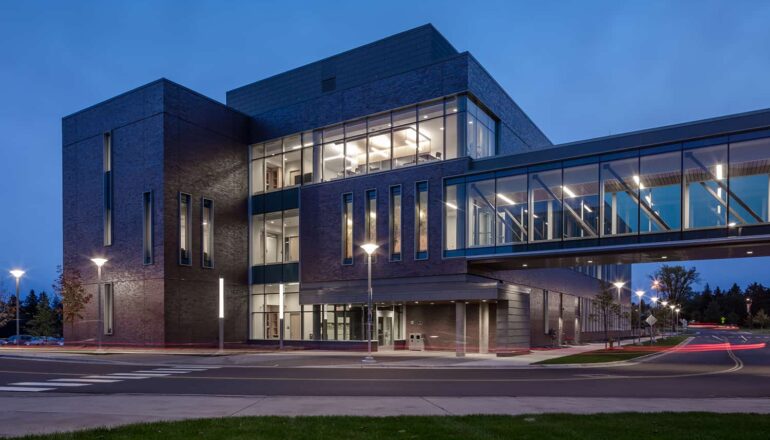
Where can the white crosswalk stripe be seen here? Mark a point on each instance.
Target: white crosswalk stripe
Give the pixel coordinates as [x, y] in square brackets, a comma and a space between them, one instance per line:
[141, 374]
[25, 389]
[47, 384]
[113, 376]
[86, 380]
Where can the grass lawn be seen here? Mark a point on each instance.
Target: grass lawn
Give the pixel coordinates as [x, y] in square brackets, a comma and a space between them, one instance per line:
[541, 427]
[628, 352]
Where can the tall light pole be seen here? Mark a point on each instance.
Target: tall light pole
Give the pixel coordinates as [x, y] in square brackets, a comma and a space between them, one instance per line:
[619, 285]
[222, 314]
[673, 322]
[369, 248]
[17, 273]
[640, 294]
[677, 314]
[99, 262]
[280, 315]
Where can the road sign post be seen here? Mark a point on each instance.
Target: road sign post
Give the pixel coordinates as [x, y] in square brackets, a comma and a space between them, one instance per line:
[651, 322]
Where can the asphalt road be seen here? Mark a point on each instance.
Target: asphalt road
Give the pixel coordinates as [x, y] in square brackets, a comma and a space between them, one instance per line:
[697, 373]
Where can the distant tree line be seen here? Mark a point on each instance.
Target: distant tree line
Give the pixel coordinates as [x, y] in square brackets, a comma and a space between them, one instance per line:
[40, 314]
[736, 306]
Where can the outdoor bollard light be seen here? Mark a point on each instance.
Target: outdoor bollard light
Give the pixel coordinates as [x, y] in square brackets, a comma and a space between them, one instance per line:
[280, 315]
[17, 274]
[619, 285]
[99, 262]
[221, 314]
[369, 248]
[640, 294]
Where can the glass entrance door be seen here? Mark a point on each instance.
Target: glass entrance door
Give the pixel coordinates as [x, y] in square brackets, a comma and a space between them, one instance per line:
[385, 329]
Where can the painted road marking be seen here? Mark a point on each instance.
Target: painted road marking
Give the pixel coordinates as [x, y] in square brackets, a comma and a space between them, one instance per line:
[168, 371]
[140, 375]
[44, 384]
[115, 377]
[85, 380]
[24, 389]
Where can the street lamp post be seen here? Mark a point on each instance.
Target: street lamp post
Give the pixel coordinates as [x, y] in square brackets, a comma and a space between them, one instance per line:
[640, 294]
[673, 322]
[369, 248]
[17, 274]
[619, 285]
[677, 315]
[99, 262]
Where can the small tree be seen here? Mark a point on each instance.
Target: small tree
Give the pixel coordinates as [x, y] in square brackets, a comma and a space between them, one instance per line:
[761, 318]
[7, 311]
[69, 287]
[606, 308]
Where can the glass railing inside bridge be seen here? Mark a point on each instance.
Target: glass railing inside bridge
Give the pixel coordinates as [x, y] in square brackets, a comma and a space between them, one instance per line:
[692, 188]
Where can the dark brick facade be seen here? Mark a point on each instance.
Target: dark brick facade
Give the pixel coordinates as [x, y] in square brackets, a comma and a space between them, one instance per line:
[165, 139]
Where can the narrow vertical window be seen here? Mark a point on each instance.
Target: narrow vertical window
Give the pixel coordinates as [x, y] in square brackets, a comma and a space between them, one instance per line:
[371, 216]
[108, 308]
[107, 180]
[185, 229]
[207, 233]
[147, 244]
[421, 221]
[347, 229]
[394, 223]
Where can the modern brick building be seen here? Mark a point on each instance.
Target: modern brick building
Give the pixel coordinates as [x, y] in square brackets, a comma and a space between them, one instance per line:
[391, 143]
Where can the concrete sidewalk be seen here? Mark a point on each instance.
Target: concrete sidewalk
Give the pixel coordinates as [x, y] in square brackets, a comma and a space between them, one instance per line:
[46, 413]
[305, 358]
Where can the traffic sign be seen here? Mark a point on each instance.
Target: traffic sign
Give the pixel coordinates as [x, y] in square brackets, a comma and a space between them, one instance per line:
[650, 320]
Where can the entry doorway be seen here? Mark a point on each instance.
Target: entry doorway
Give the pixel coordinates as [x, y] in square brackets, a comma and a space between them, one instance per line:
[385, 329]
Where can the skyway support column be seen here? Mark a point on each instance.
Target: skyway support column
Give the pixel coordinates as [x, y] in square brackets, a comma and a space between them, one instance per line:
[460, 329]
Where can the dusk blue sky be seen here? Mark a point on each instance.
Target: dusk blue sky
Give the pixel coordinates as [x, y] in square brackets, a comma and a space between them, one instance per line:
[579, 69]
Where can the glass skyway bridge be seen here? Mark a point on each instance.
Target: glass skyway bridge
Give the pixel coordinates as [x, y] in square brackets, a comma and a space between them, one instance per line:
[709, 191]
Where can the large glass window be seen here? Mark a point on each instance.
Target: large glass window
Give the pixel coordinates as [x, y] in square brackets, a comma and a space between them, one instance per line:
[147, 226]
[185, 229]
[258, 240]
[347, 229]
[431, 140]
[545, 205]
[207, 232]
[581, 201]
[257, 176]
[453, 227]
[404, 146]
[334, 160]
[421, 220]
[379, 151]
[107, 187]
[511, 202]
[705, 190]
[394, 223]
[291, 236]
[355, 156]
[481, 132]
[749, 181]
[620, 187]
[660, 189]
[481, 213]
[274, 238]
[274, 172]
[292, 168]
[370, 229]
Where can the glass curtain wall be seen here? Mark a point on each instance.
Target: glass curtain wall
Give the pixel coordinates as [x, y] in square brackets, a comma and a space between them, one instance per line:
[275, 238]
[662, 189]
[705, 187]
[581, 201]
[511, 204]
[281, 163]
[481, 132]
[749, 178]
[620, 194]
